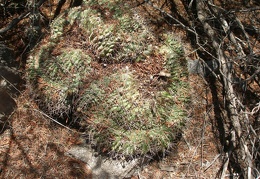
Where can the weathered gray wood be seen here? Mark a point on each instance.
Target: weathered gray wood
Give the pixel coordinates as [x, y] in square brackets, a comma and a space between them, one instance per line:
[233, 102]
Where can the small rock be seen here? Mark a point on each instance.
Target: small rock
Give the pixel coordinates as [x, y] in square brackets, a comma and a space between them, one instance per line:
[203, 68]
[104, 167]
[194, 67]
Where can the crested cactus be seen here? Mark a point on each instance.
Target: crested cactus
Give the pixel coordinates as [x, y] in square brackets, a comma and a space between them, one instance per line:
[83, 77]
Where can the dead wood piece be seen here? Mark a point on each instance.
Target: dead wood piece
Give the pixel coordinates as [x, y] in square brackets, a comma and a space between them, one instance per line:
[233, 103]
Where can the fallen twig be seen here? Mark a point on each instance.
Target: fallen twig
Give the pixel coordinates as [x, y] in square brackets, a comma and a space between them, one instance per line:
[213, 161]
[54, 120]
[224, 170]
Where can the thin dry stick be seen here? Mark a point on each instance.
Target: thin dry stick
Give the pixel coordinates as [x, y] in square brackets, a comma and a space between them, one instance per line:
[52, 119]
[223, 174]
[169, 15]
[202, 138]
[213, 161]
[11, 84]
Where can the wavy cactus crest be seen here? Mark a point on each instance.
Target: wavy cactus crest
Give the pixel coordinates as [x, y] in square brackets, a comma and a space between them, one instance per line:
[80, 72]
[135, 124]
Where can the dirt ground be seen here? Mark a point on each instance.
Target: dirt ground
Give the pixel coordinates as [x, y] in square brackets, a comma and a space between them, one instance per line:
[33, 146]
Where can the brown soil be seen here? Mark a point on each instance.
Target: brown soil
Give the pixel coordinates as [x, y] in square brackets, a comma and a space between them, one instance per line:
[34, 147]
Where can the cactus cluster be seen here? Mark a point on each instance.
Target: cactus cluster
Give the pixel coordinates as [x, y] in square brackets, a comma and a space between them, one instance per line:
[68, 78]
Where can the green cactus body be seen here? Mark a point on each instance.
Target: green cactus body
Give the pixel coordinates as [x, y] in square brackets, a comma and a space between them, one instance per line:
[59, 78]
[73, 77]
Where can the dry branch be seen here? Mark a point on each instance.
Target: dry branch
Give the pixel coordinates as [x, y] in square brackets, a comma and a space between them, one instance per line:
[234, 104]
[233, 49]
[15, 21]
